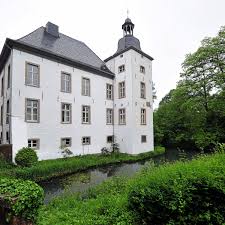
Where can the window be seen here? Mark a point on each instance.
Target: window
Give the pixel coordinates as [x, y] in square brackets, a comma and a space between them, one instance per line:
[122, 116]
[86, 87]
[32, 75]
[9, 76]
[7, 112]
[110, 139]
[143, 90]
[109, 91]
[86, 140]
[66, 112]
[122, 89]
[2, 92]
[32, 111]
[86, 114]
[143, 116]
[109, 116]
[33, 143]
[66, 142]
[7, 137]
[143, 138]
[121, 68]
[142, 69]
[66, 82]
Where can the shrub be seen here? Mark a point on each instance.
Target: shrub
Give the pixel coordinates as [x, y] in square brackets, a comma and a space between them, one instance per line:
[26, 157]
[181, 193]
[23, 197]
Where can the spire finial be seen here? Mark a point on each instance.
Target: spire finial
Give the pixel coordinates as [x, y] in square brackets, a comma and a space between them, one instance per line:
[128, 13]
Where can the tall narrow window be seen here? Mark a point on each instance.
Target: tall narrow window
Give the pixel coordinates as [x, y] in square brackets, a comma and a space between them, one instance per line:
[143, 116]
[2, 86]
[9, 76]
[109, 91]
[143, 91]
[7, 112]
[66, 112]
[86, 114]
[32, 75]
[32, 110]
[109, 116]
[122, 116]
[121, 68]
[143, 138]
[86, 86]
[142, 69]
[122, 89]
[66, 82]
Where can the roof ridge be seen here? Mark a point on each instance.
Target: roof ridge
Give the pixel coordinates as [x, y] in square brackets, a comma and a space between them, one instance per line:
[29, 33]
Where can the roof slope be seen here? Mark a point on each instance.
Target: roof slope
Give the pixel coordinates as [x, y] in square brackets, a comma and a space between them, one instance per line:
[63, 45]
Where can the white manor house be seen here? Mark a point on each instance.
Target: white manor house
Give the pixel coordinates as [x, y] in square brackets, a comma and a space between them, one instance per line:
[56, 91]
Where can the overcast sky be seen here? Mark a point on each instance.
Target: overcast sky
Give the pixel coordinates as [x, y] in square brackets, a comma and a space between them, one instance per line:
[167, 29]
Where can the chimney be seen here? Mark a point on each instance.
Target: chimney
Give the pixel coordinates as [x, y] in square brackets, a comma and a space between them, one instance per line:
[52, 29]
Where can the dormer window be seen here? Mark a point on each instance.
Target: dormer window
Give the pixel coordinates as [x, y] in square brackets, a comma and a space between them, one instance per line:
[121, 68]
[142, 69]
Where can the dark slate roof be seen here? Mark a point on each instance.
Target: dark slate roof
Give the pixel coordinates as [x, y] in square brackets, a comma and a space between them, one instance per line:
[63, 48]
[128, 41]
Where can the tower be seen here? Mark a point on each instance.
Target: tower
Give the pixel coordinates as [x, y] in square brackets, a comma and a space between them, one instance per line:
[133, 112]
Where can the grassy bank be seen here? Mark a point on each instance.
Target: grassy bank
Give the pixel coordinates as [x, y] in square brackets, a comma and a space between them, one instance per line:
[47, 169]
[153, 192]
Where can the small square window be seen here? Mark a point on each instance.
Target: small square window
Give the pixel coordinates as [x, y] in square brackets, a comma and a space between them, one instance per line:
[110, 139]
[143, 138]
[86, 140]
[33, 143]
[66, 142]
[121, 68]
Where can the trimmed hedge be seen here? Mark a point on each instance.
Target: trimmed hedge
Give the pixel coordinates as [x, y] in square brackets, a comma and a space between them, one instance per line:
[26, 157]
[181, 193]
[23, 197]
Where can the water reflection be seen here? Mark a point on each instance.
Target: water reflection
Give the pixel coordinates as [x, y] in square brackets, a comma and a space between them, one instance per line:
[82, 181]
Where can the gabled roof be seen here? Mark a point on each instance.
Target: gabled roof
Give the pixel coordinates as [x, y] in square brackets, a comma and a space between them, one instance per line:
[63, 49]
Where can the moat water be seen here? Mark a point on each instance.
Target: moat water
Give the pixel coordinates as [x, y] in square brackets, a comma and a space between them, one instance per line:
[79, 182]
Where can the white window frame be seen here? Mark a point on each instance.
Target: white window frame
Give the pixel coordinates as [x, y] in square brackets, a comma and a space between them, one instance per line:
[109, 116]
[121, 68]
[122, 116]
[109, 91]
[66, 82]
[86, 86]
[66, 142]
[143, 90]
[34, 107]
[66, 113]
[143, 116]
[86, 114]
[122, 89]
[86, 140]
[32, 145]
[34, 80]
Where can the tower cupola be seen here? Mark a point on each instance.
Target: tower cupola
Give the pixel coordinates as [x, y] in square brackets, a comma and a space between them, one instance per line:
[128, 27]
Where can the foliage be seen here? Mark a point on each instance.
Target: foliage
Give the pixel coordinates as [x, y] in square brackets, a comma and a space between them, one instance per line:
[220, 148]
[181, 193]
[66, 152]
[58, 167]
[193, 114]
[24, 197]
[26, 157]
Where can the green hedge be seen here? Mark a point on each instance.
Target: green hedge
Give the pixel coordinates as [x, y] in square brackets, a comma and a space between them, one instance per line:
[24, 197]
[181, 193]
[26, 157]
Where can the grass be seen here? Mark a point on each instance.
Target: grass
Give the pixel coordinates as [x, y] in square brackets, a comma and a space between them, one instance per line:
[109, 203]
[47, 169]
